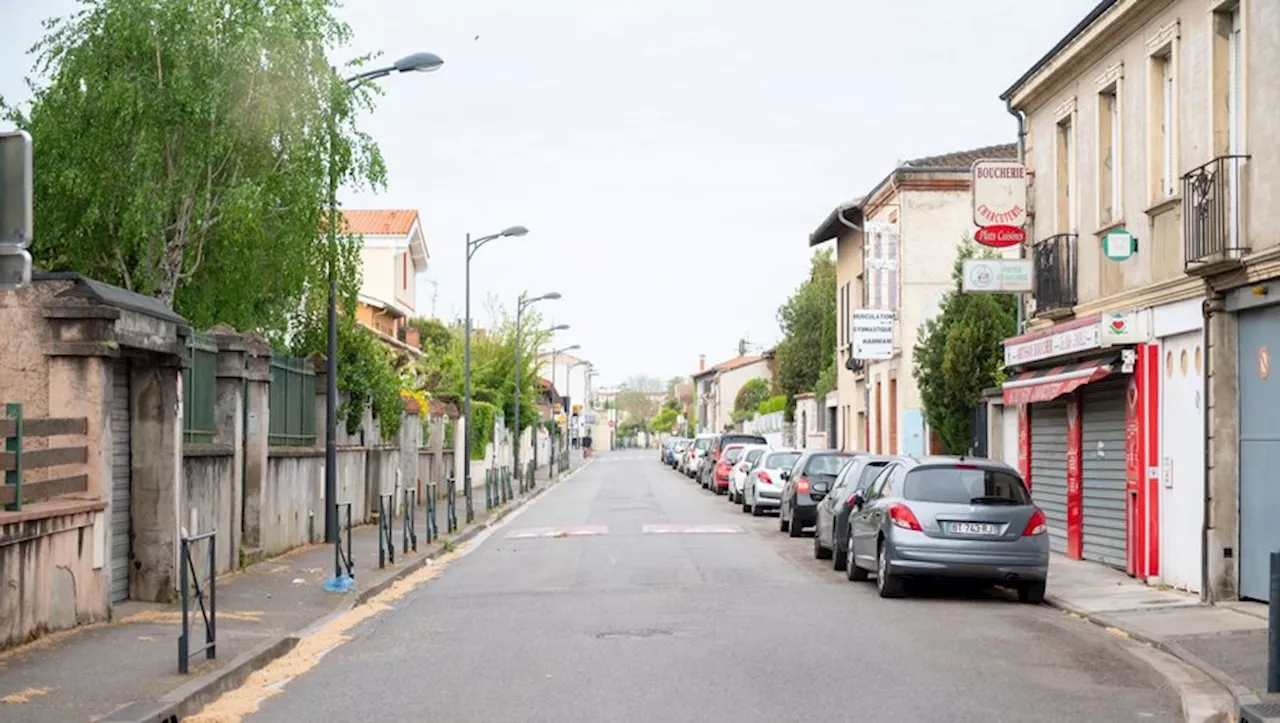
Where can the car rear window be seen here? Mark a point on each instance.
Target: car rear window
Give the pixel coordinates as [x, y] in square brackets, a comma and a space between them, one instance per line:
[754, 455]
[828, 464]
[965, 486]
[869, 473]
[740, 439]
[781, 460]
[702, 444]
[732, 455]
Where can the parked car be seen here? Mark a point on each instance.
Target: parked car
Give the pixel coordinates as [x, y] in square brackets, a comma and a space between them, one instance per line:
[697, 453]
[949, 517]
[829, 541]
[721, 441]
[677, 451]
[806, 484]
[723, 468]
[738, 475]
[762, 488]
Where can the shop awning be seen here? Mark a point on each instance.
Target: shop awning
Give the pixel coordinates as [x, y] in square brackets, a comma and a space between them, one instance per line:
[1042, 385]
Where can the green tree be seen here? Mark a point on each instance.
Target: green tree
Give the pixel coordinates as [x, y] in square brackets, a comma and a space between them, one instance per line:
[663, 421]
[959, 353]
[182, 152]
[750, 395]
[808, 321]
[636, 405]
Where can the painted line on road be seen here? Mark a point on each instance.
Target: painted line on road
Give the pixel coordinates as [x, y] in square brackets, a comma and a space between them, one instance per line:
[524, 533]
[691, 529]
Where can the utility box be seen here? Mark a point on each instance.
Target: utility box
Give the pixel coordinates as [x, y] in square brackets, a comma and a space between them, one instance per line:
[1266, 711]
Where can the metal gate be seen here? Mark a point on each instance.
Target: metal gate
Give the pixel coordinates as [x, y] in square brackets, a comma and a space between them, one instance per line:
[121, 499]
[1259, 448]
[1102, 472]
[1049, 468]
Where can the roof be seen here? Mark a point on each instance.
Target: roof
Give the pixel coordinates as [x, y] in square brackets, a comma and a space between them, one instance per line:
[113, 296]
[1098, 11]
[726, 366]
[391, 222]
[955, 162]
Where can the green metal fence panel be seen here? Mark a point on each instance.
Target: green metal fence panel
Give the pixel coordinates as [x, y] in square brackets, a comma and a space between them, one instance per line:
[292, 403]
[199, 388]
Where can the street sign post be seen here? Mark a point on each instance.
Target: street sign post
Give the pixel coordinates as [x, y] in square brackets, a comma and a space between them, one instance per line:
[16, 195]
[872, 334]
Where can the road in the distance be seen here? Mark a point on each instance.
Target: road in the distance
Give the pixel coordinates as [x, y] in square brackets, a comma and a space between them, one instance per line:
[632, 626]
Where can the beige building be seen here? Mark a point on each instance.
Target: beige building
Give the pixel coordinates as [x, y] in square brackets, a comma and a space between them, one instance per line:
[1147, 122]
[895, 249]
[718, 386]
[394, 252]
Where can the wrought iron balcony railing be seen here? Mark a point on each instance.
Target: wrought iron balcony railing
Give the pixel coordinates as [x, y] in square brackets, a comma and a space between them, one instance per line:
[1055, 273]
[1213, 236]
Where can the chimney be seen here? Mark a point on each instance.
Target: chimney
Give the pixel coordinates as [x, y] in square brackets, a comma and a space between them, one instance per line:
[702, 362]
[412, 337]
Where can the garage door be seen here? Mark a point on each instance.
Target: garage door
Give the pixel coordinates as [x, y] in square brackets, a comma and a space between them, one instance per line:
[1049, 468]
[120, 497]
[1102, 454]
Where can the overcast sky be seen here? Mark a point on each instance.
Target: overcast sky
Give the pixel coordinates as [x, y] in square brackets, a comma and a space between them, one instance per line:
[670, 157]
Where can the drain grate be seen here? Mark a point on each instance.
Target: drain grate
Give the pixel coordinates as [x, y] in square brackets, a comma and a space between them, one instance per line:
[636, 633]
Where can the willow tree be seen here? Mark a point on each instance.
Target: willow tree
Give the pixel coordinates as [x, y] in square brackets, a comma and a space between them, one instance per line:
[182, 151]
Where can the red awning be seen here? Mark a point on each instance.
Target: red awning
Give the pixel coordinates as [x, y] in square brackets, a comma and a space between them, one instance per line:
[1043, 385]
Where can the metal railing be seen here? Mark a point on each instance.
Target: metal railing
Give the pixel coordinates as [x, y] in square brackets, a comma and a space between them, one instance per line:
[292, 402]
[386, 539]
[15, 429]
[199, 380]
[343, 563]
[206, 600]
[451, 505]
[468, 500]
[508, 490]
[1055, 273]
[1212, 197]
[409, 523]
[432, 527]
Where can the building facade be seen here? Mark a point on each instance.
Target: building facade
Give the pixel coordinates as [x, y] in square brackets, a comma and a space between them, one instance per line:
[393, 253]
[1143, 380]
[895, 250]
[717, 388]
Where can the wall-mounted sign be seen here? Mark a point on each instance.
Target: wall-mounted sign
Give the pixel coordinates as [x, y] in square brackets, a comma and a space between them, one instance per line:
[1054, 344]
[1119, 245]
[996, 276]
[1000, 236]
[999, 193]
[1124, 327]
[872, 334]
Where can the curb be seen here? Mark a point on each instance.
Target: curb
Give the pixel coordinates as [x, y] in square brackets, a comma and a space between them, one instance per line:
[191, 697]
[1240, 695]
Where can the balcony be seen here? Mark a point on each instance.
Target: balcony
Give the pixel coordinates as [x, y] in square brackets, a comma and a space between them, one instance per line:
[1055, 275]
[1213, 236]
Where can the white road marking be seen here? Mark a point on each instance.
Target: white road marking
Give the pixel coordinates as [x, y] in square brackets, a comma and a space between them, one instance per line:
[691, 529]
[525, 533]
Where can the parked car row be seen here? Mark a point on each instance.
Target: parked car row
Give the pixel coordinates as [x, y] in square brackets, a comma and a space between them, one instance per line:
[898, 518]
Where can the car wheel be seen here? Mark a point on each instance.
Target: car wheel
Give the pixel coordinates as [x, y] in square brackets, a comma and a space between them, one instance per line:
[888, 584]
[851, 570]
[795, 527]
[839, 553]
[746, 507]
[819, 552]
[1031, 593]
[756, 510]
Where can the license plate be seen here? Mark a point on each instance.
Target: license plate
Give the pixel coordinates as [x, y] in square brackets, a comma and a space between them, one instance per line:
[973, 528]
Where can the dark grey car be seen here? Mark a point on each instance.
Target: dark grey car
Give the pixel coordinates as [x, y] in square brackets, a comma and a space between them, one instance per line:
[830, 538]
[805, 485]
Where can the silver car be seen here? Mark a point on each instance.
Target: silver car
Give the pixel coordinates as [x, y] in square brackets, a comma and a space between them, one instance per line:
[949, 517]
[697, 453]
[762, 486]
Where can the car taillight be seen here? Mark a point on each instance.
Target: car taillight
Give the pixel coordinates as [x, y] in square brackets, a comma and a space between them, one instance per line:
[802, 486]
[764, 477]
[903, 517]
[849, 502]
[1035, 525]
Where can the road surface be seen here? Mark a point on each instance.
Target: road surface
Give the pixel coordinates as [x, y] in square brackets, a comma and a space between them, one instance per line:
[574, 610]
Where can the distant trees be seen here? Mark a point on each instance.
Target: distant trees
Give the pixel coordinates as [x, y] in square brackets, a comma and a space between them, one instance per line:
[808, 321]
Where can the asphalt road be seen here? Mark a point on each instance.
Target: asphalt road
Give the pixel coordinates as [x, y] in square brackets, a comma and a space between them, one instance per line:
[624, 625]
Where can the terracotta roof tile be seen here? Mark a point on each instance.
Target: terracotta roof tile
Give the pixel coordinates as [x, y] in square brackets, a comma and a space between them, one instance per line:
[391, 222]
[963, 159]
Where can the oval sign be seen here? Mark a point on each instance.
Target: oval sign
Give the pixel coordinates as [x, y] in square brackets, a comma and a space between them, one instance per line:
[1000, 236]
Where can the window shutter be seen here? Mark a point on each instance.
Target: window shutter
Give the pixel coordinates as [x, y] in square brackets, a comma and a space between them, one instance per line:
[891, 267]
[1167, 123]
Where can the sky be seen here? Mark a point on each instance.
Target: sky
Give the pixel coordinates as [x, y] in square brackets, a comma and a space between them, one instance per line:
[669, 157]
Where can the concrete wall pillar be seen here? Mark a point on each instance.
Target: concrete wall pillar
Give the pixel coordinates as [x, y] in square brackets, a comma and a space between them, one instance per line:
[256, 433]
[1224, 434]
[436, 440]
[409, 440]
[228, 431]
[156, 470]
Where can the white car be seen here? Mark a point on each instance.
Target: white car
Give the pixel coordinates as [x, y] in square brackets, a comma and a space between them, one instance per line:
[763, 485]
[738, 475]
[698, 452]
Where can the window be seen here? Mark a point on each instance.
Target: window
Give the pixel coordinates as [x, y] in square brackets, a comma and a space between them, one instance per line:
[882, 265]
[965, 486]
[1109, 155]
[754, 455]
[877, 486]
[404, 264]
[825, 464]
[781, 460]
[869, 474]
[1065, 170]
[733, 454]
[1163, 123]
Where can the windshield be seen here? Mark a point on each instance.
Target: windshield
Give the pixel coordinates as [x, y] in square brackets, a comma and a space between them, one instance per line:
[965, 486]
[732, 454]
[741, 439]
[781, 460]
[702, 445]
[827, 464]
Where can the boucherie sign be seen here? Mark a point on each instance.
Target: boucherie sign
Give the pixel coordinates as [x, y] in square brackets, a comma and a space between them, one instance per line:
[999, 193]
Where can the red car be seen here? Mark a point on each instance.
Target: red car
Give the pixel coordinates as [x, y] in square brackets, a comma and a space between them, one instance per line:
[729, 456]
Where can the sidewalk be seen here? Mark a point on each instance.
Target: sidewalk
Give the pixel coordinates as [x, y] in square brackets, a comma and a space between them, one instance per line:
[1226, 641]
[88, 673]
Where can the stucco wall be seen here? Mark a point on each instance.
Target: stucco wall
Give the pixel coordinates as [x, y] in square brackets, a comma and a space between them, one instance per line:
[730, 383]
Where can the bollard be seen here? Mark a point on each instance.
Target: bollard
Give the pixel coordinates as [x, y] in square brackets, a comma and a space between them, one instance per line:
[468, 499]
[408, 523]
[432, 531]
[1273, 628]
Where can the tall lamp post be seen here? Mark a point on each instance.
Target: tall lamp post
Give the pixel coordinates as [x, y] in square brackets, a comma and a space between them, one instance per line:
[555, 354]
[472, 248]
[568, 385]
[520, 307]
[421, 63]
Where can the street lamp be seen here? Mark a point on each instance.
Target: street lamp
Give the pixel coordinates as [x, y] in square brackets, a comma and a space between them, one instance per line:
[520, 307]
[421, 63]
[555, 354]
[472, 248]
